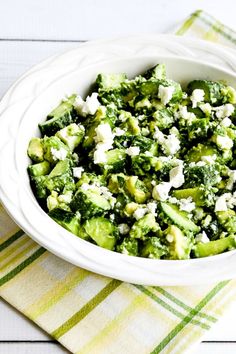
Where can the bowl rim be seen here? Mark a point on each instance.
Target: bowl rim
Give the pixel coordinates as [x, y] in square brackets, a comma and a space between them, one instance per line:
[128, 259]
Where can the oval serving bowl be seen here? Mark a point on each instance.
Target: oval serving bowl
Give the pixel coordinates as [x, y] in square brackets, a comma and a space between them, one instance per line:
[39, 90]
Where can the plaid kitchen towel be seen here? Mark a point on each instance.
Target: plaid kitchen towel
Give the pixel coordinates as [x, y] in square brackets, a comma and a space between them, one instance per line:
[92, 314]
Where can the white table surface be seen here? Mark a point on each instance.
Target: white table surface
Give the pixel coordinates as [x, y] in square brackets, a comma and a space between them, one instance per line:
[33, 30]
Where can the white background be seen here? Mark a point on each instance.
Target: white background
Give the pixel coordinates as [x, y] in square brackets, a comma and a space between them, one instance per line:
[32, 30]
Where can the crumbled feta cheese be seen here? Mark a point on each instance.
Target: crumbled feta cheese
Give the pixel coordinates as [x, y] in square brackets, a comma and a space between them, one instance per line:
[224, 202]
[148, 153]
[169, 238]
[123, 229]
[77, 172]
[231, 180]
[112, 217]
[200, 163]
[161, 191]
[206, 222]
[210, 159]
[170, 143]
[206, 108]
[159, 136]
[224, 142]
[177, 176]
[184, 114]
[89, 106]
[103, 133]
[226, 122]
[225, 110]
[151, 207]
[221, 204]
[197, 96]
[104, 138]
[139, 213]
[99, 156]
[173, 200]
[85, 186]
[202, 237]
[65, 198]
[165, 93]
[118, 132]
[145, 131]
[187, 204]
[58, 154]
[133, 151]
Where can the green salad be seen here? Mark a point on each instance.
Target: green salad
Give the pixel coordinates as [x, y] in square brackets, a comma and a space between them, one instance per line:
[142, 166]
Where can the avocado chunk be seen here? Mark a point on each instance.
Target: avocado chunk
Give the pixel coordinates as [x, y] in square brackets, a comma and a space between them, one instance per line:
[128, 246]
[153, 248]
[115, 160]
[197, 152]
[102, 231]
[197, 194]
[71, 135]
[35, 150]
[39, 169]
[227, 219]
[66, 219]
[38, 184]
[179, 217]
[212, 248]
[54, 149]
[137, 189]
[143, 226]
[179, 244]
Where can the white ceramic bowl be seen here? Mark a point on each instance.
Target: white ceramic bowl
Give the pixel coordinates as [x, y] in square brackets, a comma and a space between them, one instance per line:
[39, 90]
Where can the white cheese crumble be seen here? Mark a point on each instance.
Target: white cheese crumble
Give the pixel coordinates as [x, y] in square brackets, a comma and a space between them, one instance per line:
[65, 198]
[169, 238]
[161, 191]
[99, 156]
[224, 142]
[210, 159]
[118, 131]
[231, 180]
[139, 213]
[104, 133]
[183, 113]
[123, 229]
[170, 143]
[226, 122]
[196, 97]
[151, 207]
[206, 108]
[225, 201]
[58, 154]
[133, 151]
[165, 93]
[177, 176]
[104, 139]
[89, 106]
[187, 204]
[202, 237]
[77, 172]
[225, 110]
